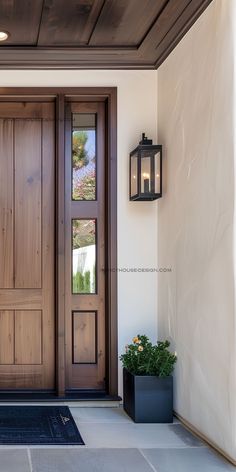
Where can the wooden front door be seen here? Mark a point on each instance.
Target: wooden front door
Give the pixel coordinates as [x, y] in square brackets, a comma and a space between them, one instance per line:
[27, 325]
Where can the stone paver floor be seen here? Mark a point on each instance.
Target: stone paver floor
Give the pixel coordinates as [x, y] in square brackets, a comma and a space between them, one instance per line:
[115, 444]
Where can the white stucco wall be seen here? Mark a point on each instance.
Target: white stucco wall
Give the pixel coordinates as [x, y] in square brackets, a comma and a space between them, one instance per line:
[196, 223]
[137, 222]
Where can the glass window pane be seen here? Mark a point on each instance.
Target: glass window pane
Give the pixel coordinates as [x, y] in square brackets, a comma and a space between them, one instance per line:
[145, 174]
[84, 156]
[157, 173]
[134, 175]
[84, 256]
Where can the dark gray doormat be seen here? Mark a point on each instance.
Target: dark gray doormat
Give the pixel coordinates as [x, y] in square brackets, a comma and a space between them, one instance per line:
[38, 425]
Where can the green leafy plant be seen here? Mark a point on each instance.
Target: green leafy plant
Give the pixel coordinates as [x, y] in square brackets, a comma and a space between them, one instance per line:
[144, 358]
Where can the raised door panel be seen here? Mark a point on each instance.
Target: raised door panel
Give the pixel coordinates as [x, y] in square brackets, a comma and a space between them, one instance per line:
[6, 337]
[28, 337]
[28, 204]
[6, 203]
[84, 338]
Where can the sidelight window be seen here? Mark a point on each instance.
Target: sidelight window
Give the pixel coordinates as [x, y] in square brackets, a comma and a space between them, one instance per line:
[84, 256]
[84, 156]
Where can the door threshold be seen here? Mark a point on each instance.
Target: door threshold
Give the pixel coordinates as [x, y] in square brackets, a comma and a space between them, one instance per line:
[86, 398]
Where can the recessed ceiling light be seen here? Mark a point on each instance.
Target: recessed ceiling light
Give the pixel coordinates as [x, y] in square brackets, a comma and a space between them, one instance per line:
[4, 35]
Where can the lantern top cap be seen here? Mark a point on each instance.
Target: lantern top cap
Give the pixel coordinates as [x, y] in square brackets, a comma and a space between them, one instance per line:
[145, 140]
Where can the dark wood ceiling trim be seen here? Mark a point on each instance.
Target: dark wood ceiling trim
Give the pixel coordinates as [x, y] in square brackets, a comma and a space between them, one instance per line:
[71, 58]
[68, 92]
[166, 31]
[174, 20]
[164, 23]
[181, 27]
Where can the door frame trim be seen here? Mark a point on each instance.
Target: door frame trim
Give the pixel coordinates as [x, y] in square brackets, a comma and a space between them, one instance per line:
[60, 95]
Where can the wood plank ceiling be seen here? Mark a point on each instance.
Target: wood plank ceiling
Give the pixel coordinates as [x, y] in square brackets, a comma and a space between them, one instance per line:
[93, 34]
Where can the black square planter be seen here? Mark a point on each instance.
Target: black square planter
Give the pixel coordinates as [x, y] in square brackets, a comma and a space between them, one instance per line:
[147, 398]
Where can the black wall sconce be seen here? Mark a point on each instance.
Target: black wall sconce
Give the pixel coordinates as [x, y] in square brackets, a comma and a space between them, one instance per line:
[146, 171]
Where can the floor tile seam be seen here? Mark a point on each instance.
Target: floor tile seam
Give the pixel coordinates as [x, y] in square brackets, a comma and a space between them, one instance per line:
[148, 461]
[30, 459]
[146, 447]
[86, 446]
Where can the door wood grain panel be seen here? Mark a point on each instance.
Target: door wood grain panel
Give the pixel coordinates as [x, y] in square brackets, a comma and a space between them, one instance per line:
[28, 204]
[28, 337]
[6, 199]
[84, 338]
[27, 110]
[21, 299]
[6, 337]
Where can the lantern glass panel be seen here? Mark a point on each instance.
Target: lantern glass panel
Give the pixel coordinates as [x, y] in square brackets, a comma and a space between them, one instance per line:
[146, 174]
[157, 172]
[134, 175]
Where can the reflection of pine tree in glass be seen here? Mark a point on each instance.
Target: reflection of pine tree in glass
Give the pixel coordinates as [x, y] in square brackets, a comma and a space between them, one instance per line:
[87, 282]
[80, 154]
[78, 283]
[94, 279]
[81, 283]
